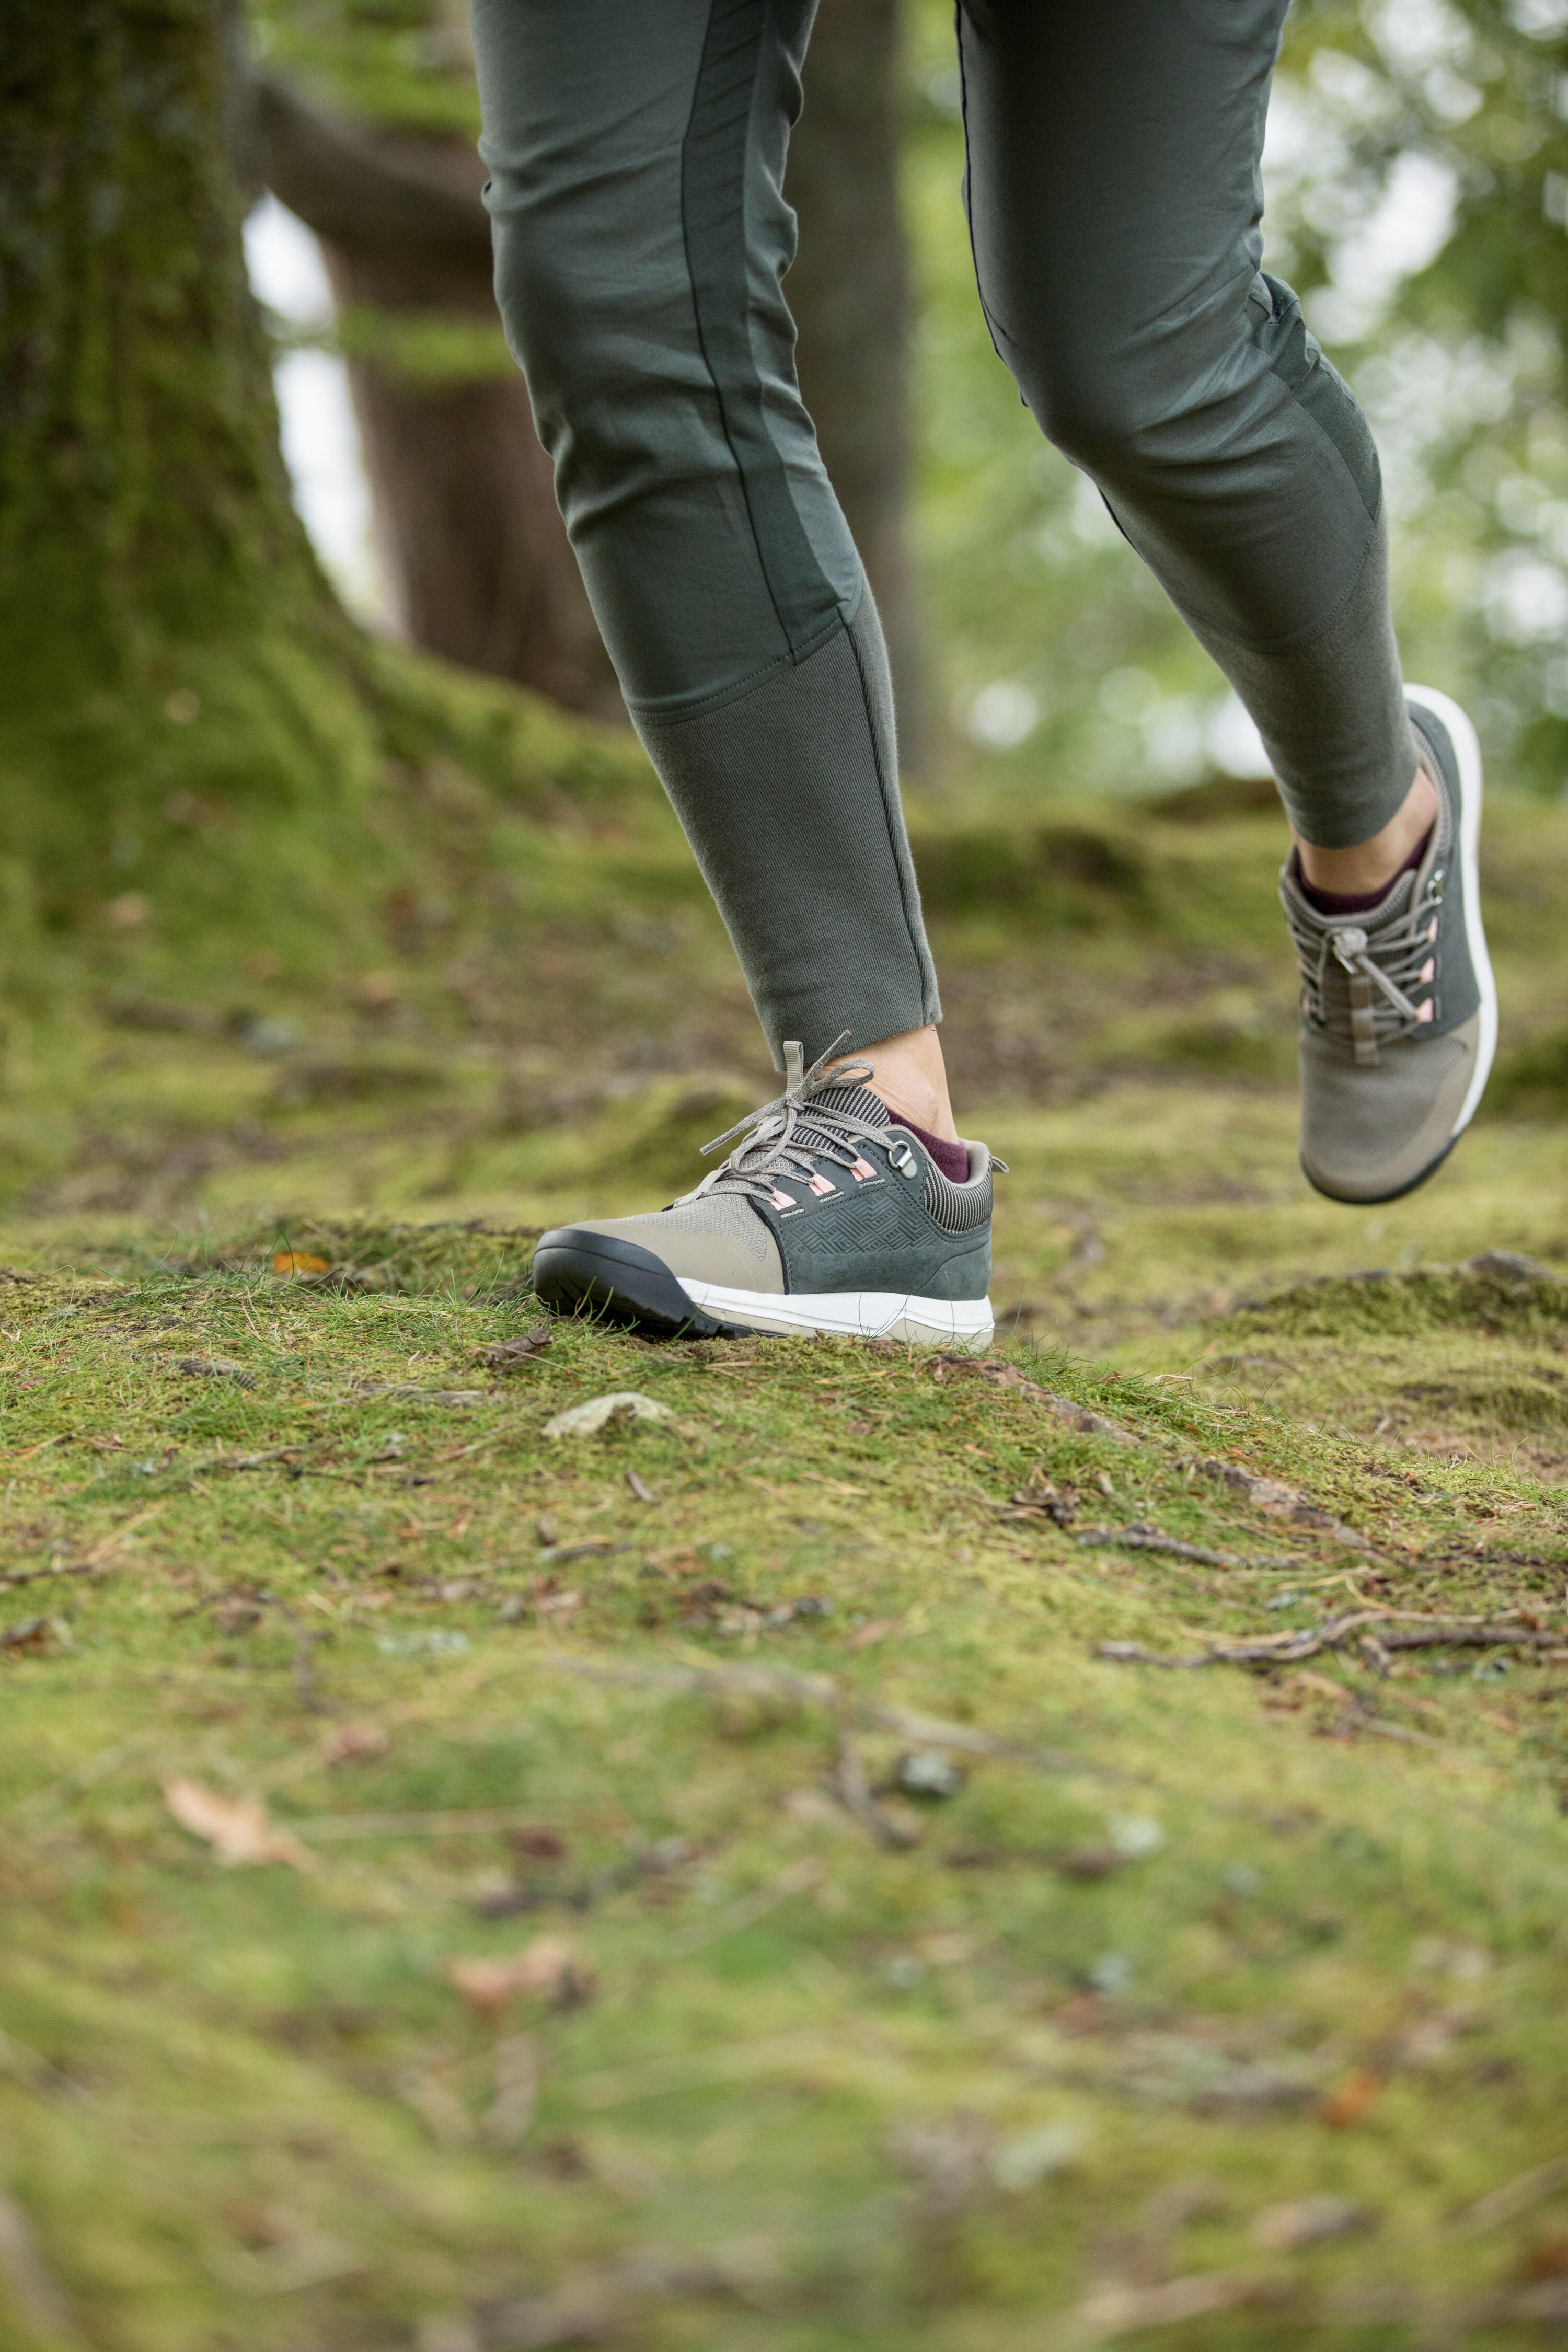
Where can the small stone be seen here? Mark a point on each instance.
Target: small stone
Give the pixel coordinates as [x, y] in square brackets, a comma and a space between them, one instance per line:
[602, 1412]
[928, 1772]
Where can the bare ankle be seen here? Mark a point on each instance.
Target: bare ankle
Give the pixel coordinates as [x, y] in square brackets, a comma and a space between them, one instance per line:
[908, 1075]
[1372, 863]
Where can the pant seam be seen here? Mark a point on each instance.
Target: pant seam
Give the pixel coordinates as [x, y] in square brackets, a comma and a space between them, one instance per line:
[902, 866]
[799, 615]
[1279, 648]
[958, 16]
[652, 716]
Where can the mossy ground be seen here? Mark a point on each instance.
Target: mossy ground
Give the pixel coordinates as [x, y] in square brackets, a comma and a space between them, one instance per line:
[1021, 2065]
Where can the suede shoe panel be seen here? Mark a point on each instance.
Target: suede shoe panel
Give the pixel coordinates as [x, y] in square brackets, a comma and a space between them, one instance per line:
[1373, 1133]
[720, 1240]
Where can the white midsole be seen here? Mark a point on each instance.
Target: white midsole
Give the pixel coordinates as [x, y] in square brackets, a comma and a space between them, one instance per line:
[1469, 753]
[852, 1314]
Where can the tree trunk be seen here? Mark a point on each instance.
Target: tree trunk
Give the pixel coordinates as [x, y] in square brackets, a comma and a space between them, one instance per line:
[849, 291]
[192, 736]
[142, 496]
[472, 542]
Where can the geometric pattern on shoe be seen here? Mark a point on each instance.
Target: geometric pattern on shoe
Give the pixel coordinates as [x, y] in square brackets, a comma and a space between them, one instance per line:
[1398, 1003]
[828, 1215]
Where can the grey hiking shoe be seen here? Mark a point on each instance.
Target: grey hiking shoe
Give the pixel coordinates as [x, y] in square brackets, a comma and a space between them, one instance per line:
[827, 1216]
[1398, 1005]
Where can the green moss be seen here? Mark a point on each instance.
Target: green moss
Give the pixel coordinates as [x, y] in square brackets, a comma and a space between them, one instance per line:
[1501, 1294]
[286, 2122]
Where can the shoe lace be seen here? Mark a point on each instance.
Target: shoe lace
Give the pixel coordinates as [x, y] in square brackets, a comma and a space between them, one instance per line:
[789, 1136]
[1359, 983]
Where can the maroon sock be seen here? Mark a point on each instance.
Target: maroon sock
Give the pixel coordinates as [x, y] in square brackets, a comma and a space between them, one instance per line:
[952, 1159]
[1358, 902]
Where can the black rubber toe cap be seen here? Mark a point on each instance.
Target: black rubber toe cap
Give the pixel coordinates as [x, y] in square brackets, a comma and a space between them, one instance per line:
[575, 1268]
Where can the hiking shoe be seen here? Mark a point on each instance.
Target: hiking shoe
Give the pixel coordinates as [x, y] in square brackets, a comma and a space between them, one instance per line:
[1398, 1004]
[827, 1216]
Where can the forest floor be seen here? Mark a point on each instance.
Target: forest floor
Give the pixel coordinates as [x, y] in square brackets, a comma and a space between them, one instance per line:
[878, 1852]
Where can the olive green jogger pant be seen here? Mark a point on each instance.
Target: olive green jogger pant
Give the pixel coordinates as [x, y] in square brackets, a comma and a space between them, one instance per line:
[636, 153]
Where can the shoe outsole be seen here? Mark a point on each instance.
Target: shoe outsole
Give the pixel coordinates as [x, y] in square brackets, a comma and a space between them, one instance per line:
[621, 1282]
[576, 1270]
[1472, 789]
[1375, 1200]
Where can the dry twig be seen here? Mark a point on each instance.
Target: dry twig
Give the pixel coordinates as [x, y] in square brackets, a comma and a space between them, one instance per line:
[1415, 1632]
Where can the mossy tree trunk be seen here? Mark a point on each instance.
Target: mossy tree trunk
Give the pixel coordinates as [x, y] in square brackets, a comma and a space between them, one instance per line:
[143, 498]
[191, 729]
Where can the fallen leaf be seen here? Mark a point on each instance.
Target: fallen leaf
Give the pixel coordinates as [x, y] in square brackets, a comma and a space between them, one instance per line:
[541, 1842]
[863, 1637]
[506, 1353]
[350, 1740]
[1089, 1863]
[31, 1636]
[599, 1412]
[237, 1828]
[1307, 2221]
[1349, 2101]
[300, 1261]
[547, 1970]
[214, 1367]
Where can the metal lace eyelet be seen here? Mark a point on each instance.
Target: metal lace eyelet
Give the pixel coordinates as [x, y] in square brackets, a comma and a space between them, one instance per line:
[903, 1159]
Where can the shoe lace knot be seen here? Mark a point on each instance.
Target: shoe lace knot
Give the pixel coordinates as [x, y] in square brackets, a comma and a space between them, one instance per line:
[1366, 984]
[790, 1136]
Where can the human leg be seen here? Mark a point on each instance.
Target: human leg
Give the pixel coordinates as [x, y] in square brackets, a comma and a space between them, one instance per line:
[637, 161]
[1116, 204]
